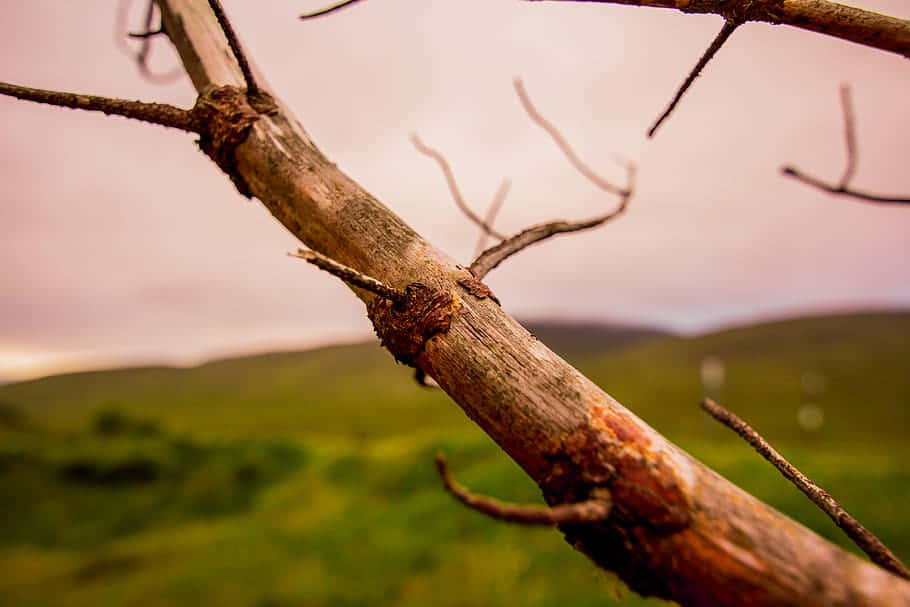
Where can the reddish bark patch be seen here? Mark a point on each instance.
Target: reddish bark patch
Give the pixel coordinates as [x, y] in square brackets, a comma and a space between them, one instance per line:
[478, 289]
[404, 328]
[626, 429]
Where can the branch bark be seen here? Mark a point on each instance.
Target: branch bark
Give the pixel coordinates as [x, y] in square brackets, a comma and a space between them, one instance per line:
[676, 529]
[821, 16]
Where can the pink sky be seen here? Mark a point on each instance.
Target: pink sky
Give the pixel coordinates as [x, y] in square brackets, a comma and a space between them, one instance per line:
[122, 243]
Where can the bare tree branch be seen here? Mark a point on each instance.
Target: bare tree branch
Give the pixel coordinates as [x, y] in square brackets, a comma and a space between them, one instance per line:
[147, 35]
[589, 511]
[728, 28]
[350, 275]
[842, 188]
[453, 186]
[822, 16]
[155, 113]
[329, 9]
[251, 86]
[862, 537]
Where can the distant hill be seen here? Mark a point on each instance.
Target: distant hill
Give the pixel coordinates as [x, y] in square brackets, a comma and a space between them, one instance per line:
[357, 390]
[570, 339]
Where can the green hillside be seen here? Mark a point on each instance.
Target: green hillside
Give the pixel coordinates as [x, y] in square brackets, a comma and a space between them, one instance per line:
[307, 479]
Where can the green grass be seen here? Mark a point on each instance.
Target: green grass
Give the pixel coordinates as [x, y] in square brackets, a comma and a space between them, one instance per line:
[307, 478]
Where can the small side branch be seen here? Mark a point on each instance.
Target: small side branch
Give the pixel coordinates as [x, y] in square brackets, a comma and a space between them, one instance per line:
[453, 187]
[590, 511]
[843, 188]
[496, 254]
[728, 28]
[155, 113]
[251, 86]
[350, 275]
[498, 199]
[329, 9]
[862, 537]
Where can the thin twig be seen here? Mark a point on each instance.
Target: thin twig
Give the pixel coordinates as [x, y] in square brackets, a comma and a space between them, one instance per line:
[251, 86]
[329, 9]
[846, 103]
[842, 188]
[495, 255]
[862, 537]
[146, 36]
[563, 144]
[728, 28]
[155, 113]
[350, 275]
[590, 511]
[453, 186]
[498, 199]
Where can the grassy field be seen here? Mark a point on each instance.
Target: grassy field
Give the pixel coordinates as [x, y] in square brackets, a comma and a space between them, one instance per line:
[307, 478]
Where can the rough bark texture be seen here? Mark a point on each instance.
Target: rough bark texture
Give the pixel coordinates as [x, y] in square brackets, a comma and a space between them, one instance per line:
[677, 530]
[841, 21]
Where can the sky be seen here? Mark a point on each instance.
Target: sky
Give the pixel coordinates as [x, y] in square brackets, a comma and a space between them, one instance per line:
[121, 244]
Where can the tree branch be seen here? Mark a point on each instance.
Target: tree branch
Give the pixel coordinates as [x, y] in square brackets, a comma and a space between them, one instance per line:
[329, 9]
[426, 150]
[862, 537]
[350, 275]
[496, 254]
[580, 513]
[842, 188]
[155, 113]
[252, 87]
[822, 16]
[489, 219]
[728, 28]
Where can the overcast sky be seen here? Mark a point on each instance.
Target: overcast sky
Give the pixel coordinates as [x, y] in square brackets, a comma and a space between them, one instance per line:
[121, 243]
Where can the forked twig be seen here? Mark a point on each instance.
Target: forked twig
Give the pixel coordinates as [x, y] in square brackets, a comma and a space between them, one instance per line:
[251, 86]
[155, 113]
[142, 55]
[498, 199]
[862, 537]
[842, 188]
[329, 9]
[453, 186]
[350, 275]
[728, 28]
[496, 254]
[590, 511]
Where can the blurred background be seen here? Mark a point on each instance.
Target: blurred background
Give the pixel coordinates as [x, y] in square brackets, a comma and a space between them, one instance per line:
[189, 415]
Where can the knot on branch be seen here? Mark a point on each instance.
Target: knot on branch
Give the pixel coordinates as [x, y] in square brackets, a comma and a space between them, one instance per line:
[478, 289]
[404, 327]
[768, 11]
[225, 115]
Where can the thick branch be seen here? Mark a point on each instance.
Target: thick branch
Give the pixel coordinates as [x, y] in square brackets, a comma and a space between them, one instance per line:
[841, 21]
[862, 537]
[676, 530]
[590, 511]
[156, 113]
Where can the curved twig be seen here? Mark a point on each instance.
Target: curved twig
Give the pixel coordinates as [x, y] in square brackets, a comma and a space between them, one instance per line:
[155, 113]
[590, 511]
[146, 36]
[862, 537]
[498, 199]
[842, 188]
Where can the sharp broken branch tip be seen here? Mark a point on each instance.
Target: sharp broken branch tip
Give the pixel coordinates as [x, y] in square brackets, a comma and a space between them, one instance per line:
[350, 276]
[862, 537]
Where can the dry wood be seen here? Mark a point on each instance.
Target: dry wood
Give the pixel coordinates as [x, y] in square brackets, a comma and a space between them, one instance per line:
[676, 529]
